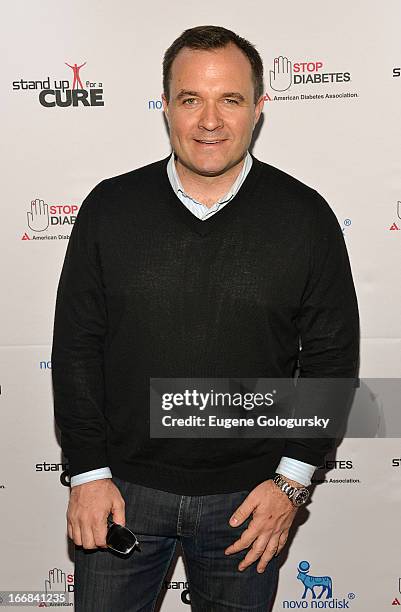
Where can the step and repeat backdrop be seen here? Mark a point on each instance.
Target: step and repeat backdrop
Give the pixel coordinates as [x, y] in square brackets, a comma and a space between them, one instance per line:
[81, 101]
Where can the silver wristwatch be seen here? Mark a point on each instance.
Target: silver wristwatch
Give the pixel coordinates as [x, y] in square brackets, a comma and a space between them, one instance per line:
[298, 496]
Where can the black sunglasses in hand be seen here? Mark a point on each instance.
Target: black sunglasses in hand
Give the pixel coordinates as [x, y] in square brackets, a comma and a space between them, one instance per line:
[119, 538]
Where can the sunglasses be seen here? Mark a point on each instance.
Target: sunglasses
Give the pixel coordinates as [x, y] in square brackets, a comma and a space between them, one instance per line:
[120, 539]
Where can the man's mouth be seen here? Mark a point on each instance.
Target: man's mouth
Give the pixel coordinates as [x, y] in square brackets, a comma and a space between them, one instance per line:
[209, 142]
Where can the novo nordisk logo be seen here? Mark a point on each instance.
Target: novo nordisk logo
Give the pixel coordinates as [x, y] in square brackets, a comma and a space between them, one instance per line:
[314, 589]
[310, 582]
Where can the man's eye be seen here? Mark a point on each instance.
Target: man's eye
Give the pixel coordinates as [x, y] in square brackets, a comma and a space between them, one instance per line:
[231, 100]
[188, 100]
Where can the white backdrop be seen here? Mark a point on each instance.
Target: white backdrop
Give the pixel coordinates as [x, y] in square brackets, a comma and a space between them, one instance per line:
[345, 144]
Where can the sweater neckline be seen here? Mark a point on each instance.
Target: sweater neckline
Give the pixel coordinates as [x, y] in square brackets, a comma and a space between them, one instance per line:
[231, 209]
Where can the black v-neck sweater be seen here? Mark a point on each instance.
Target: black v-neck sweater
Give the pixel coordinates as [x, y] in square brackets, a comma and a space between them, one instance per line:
[149, 290]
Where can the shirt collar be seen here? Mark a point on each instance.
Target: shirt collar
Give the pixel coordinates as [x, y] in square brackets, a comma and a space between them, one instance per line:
[177, 186]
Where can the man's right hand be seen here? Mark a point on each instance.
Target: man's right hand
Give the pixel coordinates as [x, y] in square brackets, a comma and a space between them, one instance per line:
[89, 506]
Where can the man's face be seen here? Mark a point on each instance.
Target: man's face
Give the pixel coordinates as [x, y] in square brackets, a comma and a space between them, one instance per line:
[211, 111]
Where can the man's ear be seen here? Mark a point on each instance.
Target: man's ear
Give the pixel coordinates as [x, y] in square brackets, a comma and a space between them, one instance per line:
[165, 105]
[258, 109]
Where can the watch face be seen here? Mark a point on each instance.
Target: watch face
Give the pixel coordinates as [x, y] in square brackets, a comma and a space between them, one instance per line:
[300, 497]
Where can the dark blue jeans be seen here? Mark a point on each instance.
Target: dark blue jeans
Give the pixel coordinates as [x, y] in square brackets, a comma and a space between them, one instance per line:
[108, 582]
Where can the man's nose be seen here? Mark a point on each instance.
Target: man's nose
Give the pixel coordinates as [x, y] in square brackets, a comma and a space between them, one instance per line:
[210, 118]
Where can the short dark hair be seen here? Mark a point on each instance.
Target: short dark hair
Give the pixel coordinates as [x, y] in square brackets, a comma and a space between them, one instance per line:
[213, 37]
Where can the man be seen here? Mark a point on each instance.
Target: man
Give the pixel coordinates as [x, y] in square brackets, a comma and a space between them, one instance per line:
[209, 263]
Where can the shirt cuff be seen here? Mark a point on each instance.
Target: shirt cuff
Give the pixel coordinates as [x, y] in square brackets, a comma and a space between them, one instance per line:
[79, 479]
[296, 470]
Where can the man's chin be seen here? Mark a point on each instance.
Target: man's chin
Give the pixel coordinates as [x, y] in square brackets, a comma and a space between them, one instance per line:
[211, 172]
[209, 169]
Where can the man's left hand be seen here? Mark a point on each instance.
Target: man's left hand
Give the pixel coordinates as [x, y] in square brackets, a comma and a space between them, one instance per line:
[272, 516]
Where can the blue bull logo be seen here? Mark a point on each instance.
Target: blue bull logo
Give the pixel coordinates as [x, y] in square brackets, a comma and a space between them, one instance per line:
[310, 582]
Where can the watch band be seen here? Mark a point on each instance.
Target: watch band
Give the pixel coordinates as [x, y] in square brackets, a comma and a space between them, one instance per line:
[297, 495]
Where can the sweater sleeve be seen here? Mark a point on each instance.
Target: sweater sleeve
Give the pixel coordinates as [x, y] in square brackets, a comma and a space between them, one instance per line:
[77, 349]
[328, 324]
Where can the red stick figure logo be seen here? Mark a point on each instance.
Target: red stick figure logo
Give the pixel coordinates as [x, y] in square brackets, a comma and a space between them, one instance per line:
[77, 80]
